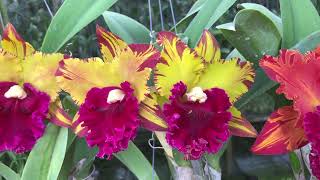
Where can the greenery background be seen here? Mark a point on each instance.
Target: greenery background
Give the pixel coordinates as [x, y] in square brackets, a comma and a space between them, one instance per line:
[31, 19]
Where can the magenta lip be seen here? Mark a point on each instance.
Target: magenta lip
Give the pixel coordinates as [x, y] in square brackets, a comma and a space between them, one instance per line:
[195, 128]
[109, 126]
[22, 120]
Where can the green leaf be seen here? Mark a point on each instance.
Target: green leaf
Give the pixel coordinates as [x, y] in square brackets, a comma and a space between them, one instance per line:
[8, 173]
[136, 162]
[261, 84]
[71, 17]
[191, 13]
[214, 159]
[295, 163]
[46, 158]
[71, 108]
[211, 11]
[127, 28]
[251, 42]
[78, 160]
[309, 43]
[274, 18]
[195, 7]
[299, 19]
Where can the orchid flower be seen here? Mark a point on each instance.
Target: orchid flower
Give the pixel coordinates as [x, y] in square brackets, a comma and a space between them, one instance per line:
[292, 127]
[110, 91]
[28, 91]
[200, 89]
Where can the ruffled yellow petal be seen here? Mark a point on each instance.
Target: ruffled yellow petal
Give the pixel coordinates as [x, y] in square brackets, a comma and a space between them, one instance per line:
[78, 76]
[40, 69]
[126, 67]
[110, 44]
[208, 47]
[179, 63]
[14, 44]
[233, 76]
[10, 67]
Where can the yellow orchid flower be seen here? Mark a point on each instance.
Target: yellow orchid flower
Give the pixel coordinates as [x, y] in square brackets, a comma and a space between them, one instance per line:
[28, 91]
[110, 91]
[200, 89]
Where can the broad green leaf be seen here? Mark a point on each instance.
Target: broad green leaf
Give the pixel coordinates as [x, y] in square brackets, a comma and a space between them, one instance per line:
[261, 84]
[71, 17]
[195, 7]
[309, 43]
[191, 13]
[136, 162]
[78, 160]
[299, 19]
[46, 158]
[127, 28]
[8, 173]
[251, 42]
[211, 11]
[274, 18]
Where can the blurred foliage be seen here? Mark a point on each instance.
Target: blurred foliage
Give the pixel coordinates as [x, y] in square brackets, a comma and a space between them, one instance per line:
[31, 19]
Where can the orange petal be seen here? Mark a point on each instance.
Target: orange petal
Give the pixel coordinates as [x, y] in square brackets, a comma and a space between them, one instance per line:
[14, 44]
[110, 44]
[58, 116]
[280, 134]
[239, 126]
[298, 76]
[208, 47]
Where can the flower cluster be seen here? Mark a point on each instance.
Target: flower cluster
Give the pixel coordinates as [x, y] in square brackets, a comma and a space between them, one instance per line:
[196, 86]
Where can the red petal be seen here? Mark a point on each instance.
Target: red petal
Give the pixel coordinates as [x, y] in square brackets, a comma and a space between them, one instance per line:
[149, 54]
[164, 38]
[110, 44]
[58, 116]
[151, 114]
[298, 76]
[14, 44]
